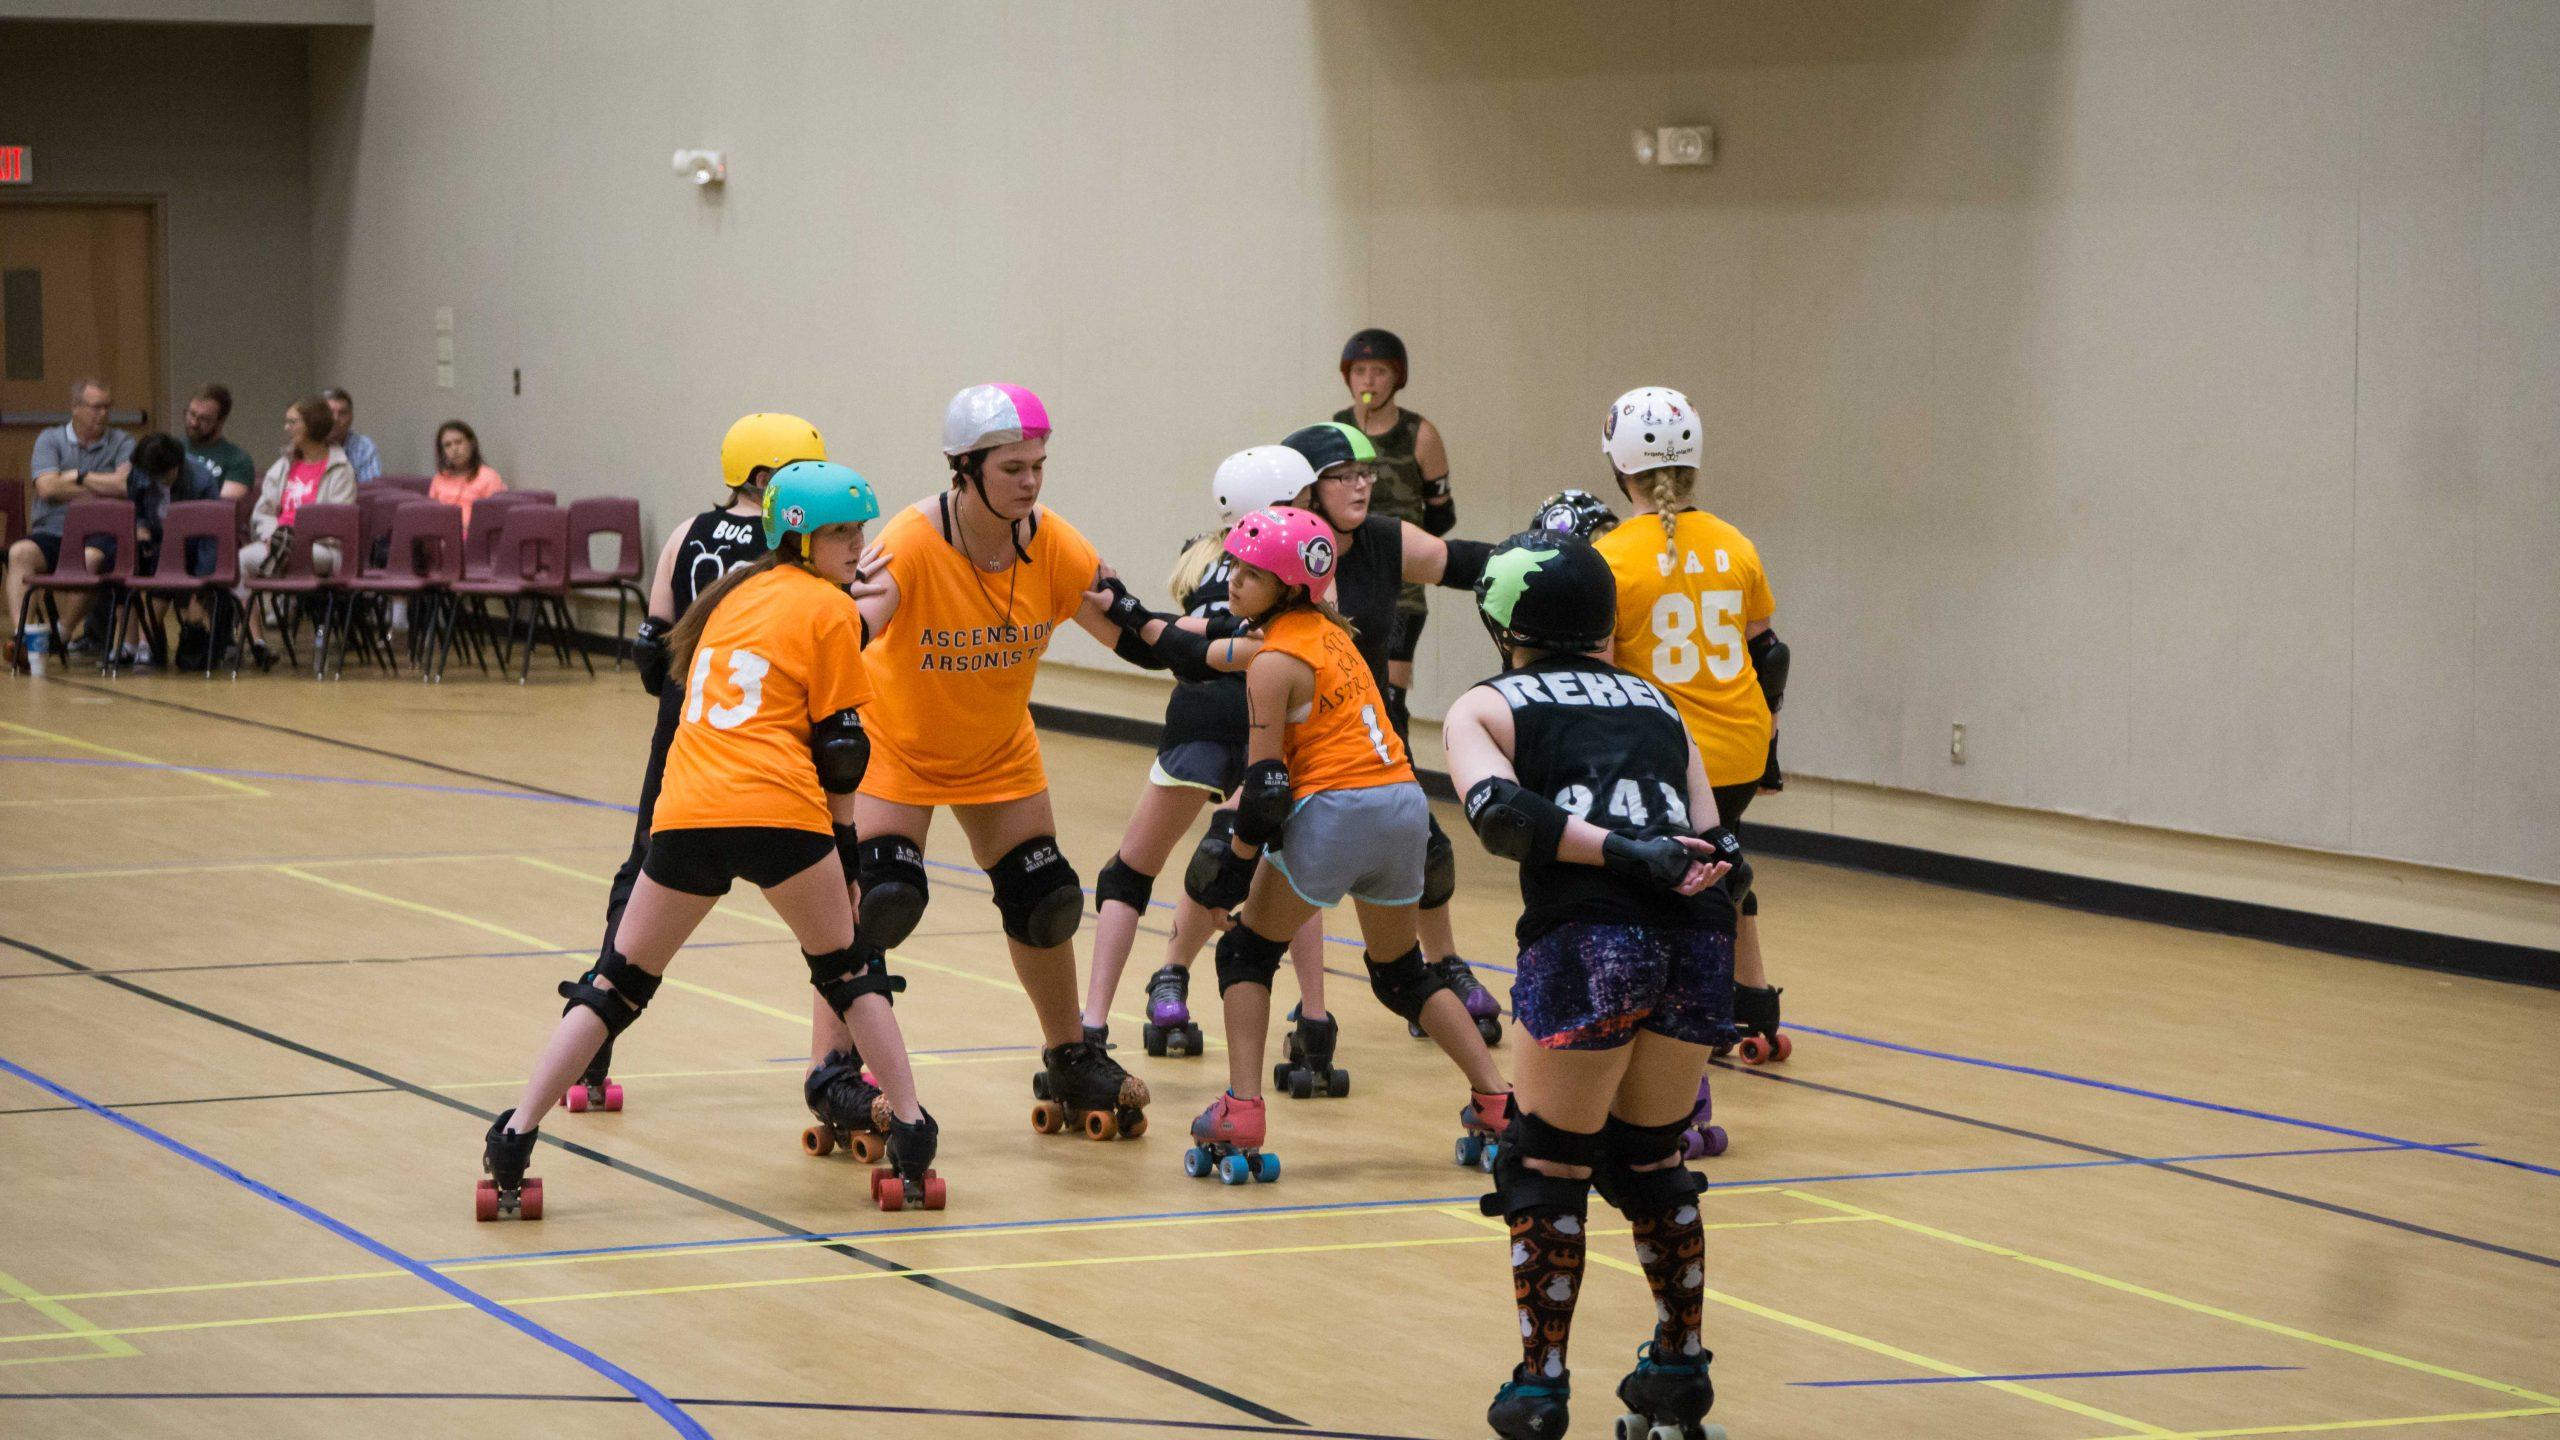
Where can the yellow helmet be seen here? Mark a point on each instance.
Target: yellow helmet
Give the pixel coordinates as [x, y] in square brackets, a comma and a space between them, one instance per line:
[767, 440]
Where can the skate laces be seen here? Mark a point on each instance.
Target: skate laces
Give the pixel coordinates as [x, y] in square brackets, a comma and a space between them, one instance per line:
[1646, 1361]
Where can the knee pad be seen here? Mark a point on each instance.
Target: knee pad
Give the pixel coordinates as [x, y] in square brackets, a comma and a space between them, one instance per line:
[1037, 893]
[849, 851]
[1750, 901]
[1125, 883]
[1399, 714]
[1245, 957]
[1633, 1192]
[1519, 1190]
[1405, 984]
[632, 990]
[891, 868]
[1439, 868]
[846, 975]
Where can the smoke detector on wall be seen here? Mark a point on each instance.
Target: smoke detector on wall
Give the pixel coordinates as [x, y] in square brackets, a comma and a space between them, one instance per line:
[1676, 145]
[703, 167]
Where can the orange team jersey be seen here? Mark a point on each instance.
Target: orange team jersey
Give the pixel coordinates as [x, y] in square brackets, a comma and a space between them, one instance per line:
[1341, 739]
[1683, 614]
[783, 651]
[955, 664]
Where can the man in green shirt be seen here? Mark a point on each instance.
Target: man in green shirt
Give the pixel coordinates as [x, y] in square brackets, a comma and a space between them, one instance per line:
[231, 465]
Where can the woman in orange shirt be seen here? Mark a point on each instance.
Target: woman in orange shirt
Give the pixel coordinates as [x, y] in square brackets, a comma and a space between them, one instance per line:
[974, 583]
[1331, 797]
[462, 478]
[762, 770]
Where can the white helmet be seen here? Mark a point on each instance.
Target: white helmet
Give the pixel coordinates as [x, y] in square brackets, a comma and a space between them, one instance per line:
[1648, 428]
[985, 416]
[1258, 479]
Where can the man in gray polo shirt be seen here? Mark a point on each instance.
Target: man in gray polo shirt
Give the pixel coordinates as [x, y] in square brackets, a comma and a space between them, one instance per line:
[83, 459]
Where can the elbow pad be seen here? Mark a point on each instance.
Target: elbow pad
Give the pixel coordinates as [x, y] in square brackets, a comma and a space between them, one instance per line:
[1466, 561]
[1514, 822]
[1262, 806]
[1134, 650]
[1184, 653]
[1769, 660]
[842, 750]
[1226, 626]
[1440, 516]
[649, 653]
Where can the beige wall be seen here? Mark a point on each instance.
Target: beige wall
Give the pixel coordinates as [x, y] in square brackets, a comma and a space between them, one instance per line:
[2170, 393]
[213, 123]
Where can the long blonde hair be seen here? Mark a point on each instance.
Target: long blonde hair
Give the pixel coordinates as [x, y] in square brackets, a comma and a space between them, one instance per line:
[1668, 489]
[1197, 559]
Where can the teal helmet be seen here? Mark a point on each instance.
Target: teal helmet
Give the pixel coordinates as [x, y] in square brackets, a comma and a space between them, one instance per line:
[806, 496]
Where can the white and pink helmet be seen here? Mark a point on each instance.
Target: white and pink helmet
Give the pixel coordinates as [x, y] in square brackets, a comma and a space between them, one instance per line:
[1293, 544]
[985, 416]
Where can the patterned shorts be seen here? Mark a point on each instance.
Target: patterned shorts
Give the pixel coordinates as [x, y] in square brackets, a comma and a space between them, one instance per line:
[1592, 987]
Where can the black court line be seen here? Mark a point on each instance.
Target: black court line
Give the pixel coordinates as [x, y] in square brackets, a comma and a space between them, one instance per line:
[2349, 1211]
[743, 1211]
[204, 1099]
[706, 1403]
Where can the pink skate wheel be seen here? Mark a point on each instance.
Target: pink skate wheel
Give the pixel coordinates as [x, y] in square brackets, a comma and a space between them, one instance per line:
[613, 1094]
[484, 1200]
[529, 1200]
[934, 1191]
[1786, 1047]
[577, 1099]
[891, 1193]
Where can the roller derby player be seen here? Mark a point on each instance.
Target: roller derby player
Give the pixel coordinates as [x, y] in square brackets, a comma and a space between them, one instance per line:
[1584, 774]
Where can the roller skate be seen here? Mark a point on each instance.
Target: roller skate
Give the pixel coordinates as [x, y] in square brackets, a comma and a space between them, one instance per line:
[1169, 1029]
[1755, 1014]
[908, 1181]
[1482, 1008]
[1230, 1134]
[1086, 1089]
[508, 1193]
[850, 1110]
[1483, 1118]
[594, 1091]
[1666, 1400]
[1529, 1409]
[1309, 1070]
[1701, 1138]
[1098, 1036]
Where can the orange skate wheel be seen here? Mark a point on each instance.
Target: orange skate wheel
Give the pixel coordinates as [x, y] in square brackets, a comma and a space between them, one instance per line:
[892, 1193]
[818, 1140]
[1754, 1050]
[1101, 1125]
[1786, 1047]
[1048, 1117]
[529, 1200]
[934, 1191]
[484, 1200]
[866, 1147]
[1134, 1126]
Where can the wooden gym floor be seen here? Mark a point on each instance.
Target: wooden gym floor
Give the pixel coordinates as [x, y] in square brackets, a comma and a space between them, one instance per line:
[272, 952]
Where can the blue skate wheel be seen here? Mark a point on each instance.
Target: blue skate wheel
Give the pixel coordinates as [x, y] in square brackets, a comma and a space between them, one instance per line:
[1469, 1147]
[1233, 1170]
[1492, 1153]
[1266, 1168]
[1195, 1162]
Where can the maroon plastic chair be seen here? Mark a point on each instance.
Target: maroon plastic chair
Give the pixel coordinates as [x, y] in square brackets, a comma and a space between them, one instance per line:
[376, 504]
[619, 517]
[216, 522]
[83, 522]
[423, 556]
[341, 526]
[529, 571]
[534, 497]
[414, 484]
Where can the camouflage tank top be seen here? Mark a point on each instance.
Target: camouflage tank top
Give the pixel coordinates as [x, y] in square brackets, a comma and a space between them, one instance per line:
[1397, 494]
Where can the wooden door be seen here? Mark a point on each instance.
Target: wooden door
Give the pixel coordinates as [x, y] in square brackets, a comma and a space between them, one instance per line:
[76, 299]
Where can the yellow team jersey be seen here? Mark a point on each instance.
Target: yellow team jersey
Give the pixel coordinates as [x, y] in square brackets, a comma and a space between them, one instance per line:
[1341, 740]
[783, 651]
[1683, 615]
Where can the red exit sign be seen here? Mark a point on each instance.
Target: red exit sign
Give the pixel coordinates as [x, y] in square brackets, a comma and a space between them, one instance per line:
[17, 165]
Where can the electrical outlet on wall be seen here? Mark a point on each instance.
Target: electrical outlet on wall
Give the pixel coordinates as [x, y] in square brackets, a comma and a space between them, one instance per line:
[1955, 744]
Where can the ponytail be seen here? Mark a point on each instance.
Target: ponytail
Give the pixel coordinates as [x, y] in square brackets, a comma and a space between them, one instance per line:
[1197, 559]
[697, 616]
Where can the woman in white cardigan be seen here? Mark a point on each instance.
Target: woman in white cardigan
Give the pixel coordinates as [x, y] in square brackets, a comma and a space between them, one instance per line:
[311, 471]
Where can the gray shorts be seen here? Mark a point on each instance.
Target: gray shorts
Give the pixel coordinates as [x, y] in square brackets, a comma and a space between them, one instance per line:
[1367, 844]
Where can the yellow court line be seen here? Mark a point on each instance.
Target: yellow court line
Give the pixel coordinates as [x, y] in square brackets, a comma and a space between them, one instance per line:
[2319, 1426]
[1879, 1347]
[124, 872]
[72, 1326]
[118, 800]
[225, 781]
[2196, 1306]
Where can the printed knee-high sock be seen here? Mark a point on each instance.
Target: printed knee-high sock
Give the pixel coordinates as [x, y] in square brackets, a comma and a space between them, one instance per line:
[1546, 1278]
[1671, 1245]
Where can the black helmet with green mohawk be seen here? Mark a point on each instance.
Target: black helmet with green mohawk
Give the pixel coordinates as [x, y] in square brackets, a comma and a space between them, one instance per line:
[1547, 590]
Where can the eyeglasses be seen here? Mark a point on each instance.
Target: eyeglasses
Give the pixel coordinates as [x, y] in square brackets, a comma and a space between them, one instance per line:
[1352, 475]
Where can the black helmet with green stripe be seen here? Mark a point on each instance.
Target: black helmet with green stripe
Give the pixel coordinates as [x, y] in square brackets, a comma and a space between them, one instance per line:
[1547, 590]
[1331, 443]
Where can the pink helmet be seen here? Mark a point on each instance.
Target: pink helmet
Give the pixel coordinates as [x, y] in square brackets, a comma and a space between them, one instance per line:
[985, 416]
[1294, 544]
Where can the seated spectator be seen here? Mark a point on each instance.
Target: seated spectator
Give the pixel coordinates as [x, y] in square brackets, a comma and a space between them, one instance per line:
[361, 455]
[232, 468]
[313, 470]
[163, 473]
[461, 476]
[84, 459]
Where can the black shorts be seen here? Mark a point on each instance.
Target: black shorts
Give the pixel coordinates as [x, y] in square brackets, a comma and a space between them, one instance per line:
[1408, 634]
[704, 861]
[1732, 800]
[51, 545]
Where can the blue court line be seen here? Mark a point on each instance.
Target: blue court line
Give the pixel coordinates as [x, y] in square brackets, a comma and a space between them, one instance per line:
[2041, 1375]
[2136, 1091]
[579, 801]
[1353, 1206]
[639, 1389]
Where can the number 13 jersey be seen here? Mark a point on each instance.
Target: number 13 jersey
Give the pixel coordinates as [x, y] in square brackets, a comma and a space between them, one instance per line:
[1340, 740]
[783, 651]
[1683, 614]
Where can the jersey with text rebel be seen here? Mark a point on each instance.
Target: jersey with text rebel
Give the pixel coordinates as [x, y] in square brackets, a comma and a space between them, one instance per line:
[1339, 739]
[1684, 615]
[1611, 748]
[1211, 710]
[782, 652]
[716, 543]
[954, 666]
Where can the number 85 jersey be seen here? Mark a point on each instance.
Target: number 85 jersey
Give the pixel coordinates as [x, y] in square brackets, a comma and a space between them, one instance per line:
[1684, 613]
